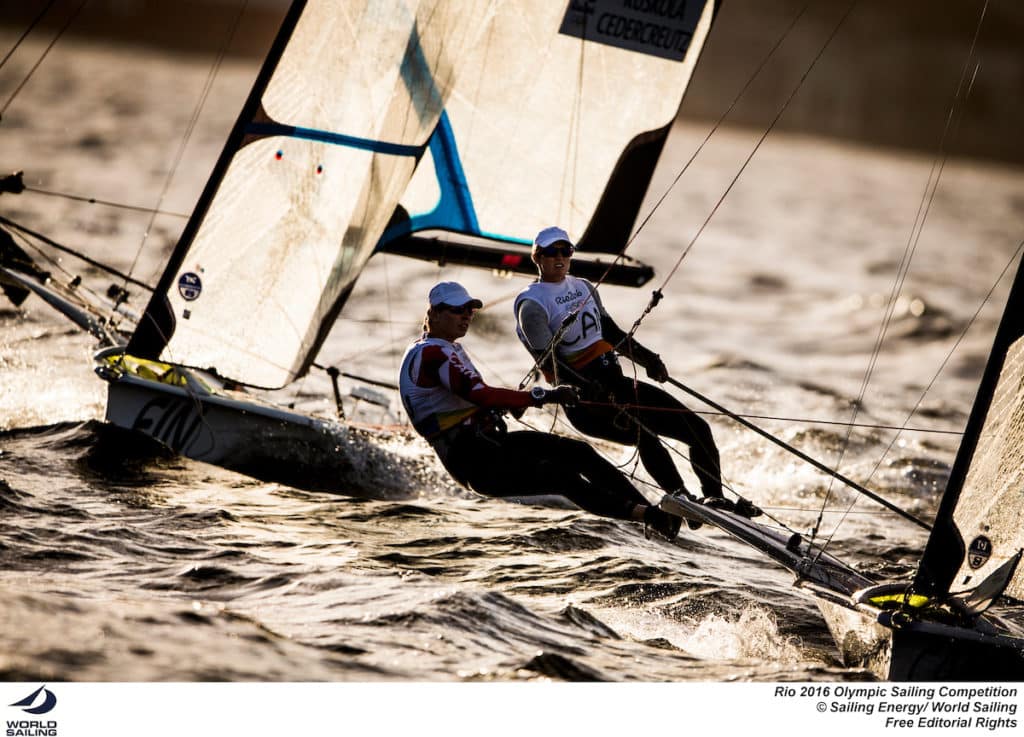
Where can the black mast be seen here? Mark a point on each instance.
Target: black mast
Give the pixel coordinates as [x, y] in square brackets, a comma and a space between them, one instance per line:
[157, 323]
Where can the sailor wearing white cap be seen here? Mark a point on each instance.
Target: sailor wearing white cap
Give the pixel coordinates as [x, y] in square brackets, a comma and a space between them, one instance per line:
[585, 355]
[460, 415]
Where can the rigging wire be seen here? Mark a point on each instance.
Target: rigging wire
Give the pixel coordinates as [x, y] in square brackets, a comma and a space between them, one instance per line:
[26, 33]
[207, 87]
[549, 350]
[804, 457]
[575, 139]
[714, 128]
[98, 325]
[59, 247]
[711, 412]
[46, 51]
[658, 292]
[657, 295]
[753, 152]
[1016, 255]
[953, 118]
[106, 203]
[779, 418]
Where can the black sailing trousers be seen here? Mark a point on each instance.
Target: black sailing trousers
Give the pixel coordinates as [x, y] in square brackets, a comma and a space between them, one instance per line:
[528, 463]
[636, 413]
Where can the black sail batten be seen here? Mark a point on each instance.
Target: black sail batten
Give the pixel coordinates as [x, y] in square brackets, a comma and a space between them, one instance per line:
[615, 217]
[613, 221]
[946, 548]
[157, 323]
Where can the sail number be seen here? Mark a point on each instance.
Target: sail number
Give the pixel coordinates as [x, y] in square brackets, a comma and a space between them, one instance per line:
[173, 422]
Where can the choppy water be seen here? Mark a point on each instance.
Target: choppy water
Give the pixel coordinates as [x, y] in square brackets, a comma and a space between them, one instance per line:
[118, 563]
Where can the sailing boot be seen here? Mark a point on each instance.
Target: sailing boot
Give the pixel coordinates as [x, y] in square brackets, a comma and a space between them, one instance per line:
[665, 524]
[742, 507]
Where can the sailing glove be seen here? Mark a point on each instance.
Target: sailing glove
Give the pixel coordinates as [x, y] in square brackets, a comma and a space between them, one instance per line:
[565, 394]
[656, 369]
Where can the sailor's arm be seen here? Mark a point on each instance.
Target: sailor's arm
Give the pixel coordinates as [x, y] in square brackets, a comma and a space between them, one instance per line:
[533, 321]
[471, 387]
[629, 346]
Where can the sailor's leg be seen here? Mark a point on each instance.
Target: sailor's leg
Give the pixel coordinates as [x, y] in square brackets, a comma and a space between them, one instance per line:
[530, 463]
[660, 413]
[617, 424]
[575, 470]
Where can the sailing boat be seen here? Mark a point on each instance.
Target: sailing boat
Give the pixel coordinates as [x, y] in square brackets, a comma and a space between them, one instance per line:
[374, 128]
[309, 186]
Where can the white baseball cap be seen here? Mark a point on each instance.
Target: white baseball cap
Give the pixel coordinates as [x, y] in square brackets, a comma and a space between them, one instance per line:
[550, 236]
[453, 294]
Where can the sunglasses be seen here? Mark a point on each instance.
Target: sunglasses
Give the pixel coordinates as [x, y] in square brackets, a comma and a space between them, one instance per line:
[556, 251]
[458, 310]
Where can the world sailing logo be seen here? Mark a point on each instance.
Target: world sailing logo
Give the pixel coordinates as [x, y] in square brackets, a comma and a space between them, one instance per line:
[49, 701]
[32, 704]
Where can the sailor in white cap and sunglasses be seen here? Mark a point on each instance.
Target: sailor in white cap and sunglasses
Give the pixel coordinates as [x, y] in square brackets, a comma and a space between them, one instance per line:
[584, 353]
[450, 405]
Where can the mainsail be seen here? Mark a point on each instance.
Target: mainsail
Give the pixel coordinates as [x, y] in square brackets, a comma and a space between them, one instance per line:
[979, 529]
[482, 118]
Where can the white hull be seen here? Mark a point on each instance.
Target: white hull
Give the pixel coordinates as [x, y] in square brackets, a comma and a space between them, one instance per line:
[243, 435]
[862, 642]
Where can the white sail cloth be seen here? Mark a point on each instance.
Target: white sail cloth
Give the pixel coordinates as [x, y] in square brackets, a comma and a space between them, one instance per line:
[482, 117]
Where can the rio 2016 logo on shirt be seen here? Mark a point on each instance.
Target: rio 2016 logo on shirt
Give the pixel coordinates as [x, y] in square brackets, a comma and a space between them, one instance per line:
[570, 297]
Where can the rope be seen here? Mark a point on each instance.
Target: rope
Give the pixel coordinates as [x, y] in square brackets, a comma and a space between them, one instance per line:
[750, 156]
[622, 252]
[801, 455]
[26, 33]
[927, 198]
[65, 249]
[715, 127]
[107, 203]
[778, 418]
[179, 154]
[46, 51]
[658, 293]
[949, 355]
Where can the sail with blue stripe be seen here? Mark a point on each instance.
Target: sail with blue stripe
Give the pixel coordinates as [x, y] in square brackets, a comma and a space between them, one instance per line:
[374, 121]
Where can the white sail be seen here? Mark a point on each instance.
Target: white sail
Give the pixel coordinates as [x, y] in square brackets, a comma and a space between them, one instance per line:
[355, 96]
[990, 511]
[489, 118]
[542, 117]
